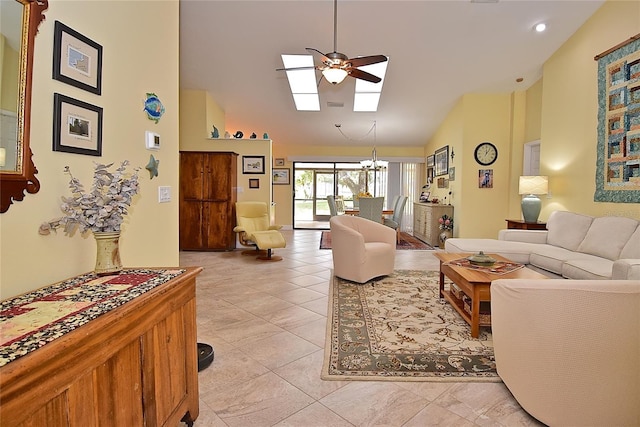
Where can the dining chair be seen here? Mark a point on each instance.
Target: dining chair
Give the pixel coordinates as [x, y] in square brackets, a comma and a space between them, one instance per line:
[371, 208]
[339, 205]
[333, 210]
[396, 219]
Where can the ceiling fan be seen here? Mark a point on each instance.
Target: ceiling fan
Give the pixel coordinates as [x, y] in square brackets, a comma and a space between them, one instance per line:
[337, 66]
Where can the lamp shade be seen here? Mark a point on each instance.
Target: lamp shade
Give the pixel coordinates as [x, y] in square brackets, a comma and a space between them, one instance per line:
[533, 185]
[334, 75]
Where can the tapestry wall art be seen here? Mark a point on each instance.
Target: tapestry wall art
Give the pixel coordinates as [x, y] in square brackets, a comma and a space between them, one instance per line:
[618, 159]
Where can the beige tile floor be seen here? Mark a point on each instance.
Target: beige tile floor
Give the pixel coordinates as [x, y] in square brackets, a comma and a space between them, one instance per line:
[266, 322]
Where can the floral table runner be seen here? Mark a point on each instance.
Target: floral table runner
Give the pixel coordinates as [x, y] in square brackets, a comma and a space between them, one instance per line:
[31, 320]
[499, 267]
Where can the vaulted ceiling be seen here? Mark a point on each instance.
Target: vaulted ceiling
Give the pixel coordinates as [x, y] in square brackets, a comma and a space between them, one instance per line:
[438, 51]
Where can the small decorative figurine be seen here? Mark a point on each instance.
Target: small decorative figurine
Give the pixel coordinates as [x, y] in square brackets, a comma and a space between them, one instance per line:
[215, 133]
[153, 107]
[152, 167]
[227, 135]
[265, 136]
[238, 134]
[253, 136]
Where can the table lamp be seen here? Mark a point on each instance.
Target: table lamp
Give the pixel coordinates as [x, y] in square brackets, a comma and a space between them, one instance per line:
[531, 204]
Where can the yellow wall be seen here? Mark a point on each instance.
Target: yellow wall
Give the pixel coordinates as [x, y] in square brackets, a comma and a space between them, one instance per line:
[570, 112]
[134, 63]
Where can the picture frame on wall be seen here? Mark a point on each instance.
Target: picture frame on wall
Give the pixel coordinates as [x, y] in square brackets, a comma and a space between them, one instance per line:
[77, 60]
[278, 162]
[281, 176]
[442, 161]
[485, 178]
[253, 164]
[77, 126]
[431, 161]
[254, 183]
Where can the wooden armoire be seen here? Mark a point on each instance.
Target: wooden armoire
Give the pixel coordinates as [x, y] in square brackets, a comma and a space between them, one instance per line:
[208, 200]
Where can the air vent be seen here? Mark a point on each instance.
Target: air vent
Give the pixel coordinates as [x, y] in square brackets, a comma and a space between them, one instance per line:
[335, 104]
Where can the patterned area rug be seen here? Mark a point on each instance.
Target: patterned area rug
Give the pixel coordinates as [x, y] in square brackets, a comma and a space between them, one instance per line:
[396, 328]
[407, 241]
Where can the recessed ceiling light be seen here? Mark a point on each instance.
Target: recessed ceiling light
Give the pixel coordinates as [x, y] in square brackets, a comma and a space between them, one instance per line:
[540, 27]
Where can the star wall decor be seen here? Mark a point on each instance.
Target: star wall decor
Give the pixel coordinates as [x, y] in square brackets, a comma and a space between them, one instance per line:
[152, 166]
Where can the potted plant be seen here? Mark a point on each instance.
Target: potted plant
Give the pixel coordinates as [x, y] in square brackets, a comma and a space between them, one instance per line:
[100, 211]
[446, 225]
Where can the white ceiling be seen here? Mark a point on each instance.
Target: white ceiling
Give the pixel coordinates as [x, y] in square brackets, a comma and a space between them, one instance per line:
[438, 51]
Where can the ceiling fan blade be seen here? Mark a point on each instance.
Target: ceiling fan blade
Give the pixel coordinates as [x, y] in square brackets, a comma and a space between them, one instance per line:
[322, 55]
[367, 60]
[296, 68]
[363, 75]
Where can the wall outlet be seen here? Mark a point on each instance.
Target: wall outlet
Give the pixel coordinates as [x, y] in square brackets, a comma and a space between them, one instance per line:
[164, 194]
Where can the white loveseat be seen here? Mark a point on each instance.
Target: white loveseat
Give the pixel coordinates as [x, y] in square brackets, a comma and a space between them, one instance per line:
[574, 246]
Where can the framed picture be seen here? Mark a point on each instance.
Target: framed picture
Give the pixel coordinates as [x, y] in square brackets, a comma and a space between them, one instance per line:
[431, 161]
[281, 176]
[254, 183]
[278, 162]
[77, 60]
[442, 161]
[253, 164]
[77, 126]
[452, 174]
[424, 196]
[485, 178]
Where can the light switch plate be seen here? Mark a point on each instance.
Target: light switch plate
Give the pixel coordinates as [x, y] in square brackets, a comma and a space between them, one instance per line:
[164, 194]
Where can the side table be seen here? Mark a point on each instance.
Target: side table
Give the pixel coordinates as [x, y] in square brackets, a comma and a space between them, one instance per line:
[521, 225]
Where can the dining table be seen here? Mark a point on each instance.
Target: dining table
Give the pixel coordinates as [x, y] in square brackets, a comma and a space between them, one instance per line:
[357, 211]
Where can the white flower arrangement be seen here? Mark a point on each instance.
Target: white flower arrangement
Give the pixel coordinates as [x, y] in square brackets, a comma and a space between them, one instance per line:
[102, 209]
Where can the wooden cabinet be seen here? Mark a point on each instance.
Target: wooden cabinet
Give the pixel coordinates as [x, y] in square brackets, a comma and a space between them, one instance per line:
[134, 365]
[522, 225]
[425, 221]
[207, 200]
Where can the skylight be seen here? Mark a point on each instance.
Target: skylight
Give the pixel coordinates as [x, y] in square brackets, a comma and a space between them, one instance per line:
[367, 94]
[302, 82]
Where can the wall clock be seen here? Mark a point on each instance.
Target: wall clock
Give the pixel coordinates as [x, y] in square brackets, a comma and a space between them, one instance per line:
[486, 153]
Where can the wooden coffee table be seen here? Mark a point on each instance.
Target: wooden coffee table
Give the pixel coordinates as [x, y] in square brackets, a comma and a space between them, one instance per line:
[474, 284]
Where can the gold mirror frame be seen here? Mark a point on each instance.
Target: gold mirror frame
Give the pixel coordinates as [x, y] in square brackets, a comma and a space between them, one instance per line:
[13, 184]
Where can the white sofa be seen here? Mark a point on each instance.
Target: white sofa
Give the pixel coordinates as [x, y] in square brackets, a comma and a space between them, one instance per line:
[574, 246]
[361, 249]
[569, 350]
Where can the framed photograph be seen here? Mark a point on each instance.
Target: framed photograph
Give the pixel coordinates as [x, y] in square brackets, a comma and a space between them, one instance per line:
[452, 174]
[485, 178]
[253, 164]
[424, 196]
[281, 176]
[254, 183]
[77, 126]
[431, 161]
[77, 60]
[442, 161]
[278, 162]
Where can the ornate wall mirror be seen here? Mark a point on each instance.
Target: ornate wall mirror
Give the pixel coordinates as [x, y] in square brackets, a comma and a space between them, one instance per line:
[19, 26]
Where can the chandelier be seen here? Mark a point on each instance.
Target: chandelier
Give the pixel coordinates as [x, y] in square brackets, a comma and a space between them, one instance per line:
[374, 163]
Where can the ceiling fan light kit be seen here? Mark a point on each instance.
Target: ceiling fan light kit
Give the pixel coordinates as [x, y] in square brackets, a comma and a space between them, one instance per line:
[334, 75]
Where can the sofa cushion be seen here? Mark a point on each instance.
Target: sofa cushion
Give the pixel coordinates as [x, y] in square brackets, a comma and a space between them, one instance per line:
[513, 251]
[607, 236]
[552, 257]
[590, 268]
[632, 249]
[567, 229]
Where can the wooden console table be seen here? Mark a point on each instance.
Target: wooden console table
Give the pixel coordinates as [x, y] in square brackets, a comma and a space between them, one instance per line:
[115, 350]
[521, 225]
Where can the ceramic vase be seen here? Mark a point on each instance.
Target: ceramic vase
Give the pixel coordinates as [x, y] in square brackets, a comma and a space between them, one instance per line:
[444, 235]
[107, 253]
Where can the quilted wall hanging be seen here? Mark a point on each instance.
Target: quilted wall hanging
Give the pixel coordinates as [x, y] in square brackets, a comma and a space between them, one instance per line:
[618, 160]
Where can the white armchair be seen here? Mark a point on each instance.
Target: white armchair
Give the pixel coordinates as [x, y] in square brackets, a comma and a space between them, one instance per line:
[569, 350]
[361, 249]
